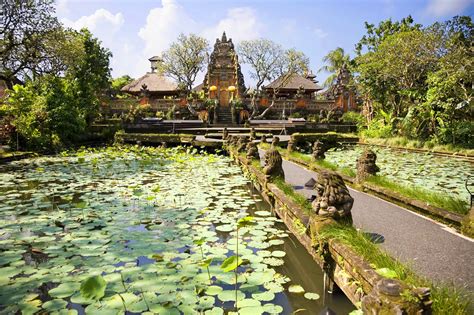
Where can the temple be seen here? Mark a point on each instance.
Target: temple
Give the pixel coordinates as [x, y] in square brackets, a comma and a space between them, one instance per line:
[222, 96]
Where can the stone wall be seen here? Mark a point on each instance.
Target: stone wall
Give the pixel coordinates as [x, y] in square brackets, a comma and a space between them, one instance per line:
[355, 276]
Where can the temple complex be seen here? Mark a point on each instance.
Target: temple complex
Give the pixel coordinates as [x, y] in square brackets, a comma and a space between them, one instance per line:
[221, 98]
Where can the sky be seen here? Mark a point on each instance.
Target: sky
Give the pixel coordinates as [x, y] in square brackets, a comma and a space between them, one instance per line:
[135, 30]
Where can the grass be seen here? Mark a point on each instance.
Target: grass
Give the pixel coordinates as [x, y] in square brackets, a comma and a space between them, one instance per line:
[290, 191]
[445, 202]
[416, 144]
[447, 299]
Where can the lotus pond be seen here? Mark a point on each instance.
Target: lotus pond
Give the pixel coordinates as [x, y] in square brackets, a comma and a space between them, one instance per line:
[142, 230]
[433, 172]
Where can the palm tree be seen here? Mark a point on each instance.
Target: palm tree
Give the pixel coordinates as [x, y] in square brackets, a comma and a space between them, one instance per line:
[334, 60]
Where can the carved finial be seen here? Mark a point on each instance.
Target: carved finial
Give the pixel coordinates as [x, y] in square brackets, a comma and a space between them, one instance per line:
[224, 38]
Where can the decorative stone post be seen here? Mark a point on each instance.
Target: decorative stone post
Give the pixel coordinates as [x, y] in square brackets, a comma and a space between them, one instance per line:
[241, 144]
[366, 165]
[291, 145]
[225, 134]
[319, 150]
[263, 139]
[253, 134]
[252, 151]
[273, 162]
[332, 198]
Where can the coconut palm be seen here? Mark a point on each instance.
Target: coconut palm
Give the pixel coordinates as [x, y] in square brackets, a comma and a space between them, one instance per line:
[334, 60]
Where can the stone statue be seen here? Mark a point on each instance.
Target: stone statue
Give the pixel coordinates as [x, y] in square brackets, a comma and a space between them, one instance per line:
[332, 196]
[263, 139]
[253, 134]
[319, 150]
[225, 134]
[275, 141]
[366, 165]
[241, 144]
[252, 151]
[273, 163]
[291, 145]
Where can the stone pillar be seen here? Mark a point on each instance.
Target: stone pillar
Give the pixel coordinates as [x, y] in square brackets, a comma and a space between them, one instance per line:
[225, 134]
[253, 134]
[366, 165]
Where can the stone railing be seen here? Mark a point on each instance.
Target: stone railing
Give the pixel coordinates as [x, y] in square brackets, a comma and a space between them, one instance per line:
[355, 276]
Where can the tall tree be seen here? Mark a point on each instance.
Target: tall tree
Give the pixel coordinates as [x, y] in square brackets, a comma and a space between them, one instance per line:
[376, 34]
[91, 75]
[264, 56]
[334, 60]
[185, 59]
[293, 61]
[25, 33]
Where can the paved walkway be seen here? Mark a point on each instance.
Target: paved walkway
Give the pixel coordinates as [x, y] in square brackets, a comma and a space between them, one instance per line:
[432, 249]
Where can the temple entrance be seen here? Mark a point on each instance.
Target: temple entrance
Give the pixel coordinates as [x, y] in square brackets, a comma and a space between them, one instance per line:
[224, 96]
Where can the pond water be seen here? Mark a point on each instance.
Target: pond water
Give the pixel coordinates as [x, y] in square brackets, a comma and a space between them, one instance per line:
[433, 172]
[148, 221]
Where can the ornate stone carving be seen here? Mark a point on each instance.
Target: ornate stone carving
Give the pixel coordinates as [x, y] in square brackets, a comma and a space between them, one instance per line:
[291, 145]
[366, 165]
[225, 134]
[252, 151]
[273, 162]
[332, 196]
[242, 144]
[319, 150]
[253, 135]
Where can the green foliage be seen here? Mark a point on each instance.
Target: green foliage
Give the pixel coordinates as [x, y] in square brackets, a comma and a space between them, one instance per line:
[353, 117]
[185, 59]
[422, 77]
[334, 60]
[231, 263]
[117, 84]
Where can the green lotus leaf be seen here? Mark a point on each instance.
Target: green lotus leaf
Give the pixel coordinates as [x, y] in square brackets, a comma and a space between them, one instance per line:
[264, 296]
[64, 290]
[311, 296]
[213, 290]
[295, 288]
[93, 287]
[54, 305]
[231, 263]
[229, 295]
[278, 254]
[273, 309]
[214, 311]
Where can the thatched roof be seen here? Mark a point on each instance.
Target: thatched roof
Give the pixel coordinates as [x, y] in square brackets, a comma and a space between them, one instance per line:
[294, 82]
[154, 83]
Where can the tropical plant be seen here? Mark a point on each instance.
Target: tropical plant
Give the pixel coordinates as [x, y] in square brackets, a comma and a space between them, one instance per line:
[334, 60]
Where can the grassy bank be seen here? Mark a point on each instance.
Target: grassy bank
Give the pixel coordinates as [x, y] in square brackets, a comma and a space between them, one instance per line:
[445, 202]
[405, 143]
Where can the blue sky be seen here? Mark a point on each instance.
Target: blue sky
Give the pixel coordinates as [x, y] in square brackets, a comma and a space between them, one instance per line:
[135, 30]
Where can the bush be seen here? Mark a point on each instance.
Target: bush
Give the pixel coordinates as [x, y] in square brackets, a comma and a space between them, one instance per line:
[377, 129]
[353, 117]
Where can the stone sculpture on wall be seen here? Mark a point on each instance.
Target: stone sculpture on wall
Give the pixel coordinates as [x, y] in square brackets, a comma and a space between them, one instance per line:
[252, 151]
[319, 150]
[366, 165]
[273, 162]
[332, 197]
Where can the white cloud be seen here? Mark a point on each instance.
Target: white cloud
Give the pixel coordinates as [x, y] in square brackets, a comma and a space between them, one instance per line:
[239, 24]
[62, 7]
[101, 20]
[447, 7]
[163, 25]
[319, 33]
[106, 27]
